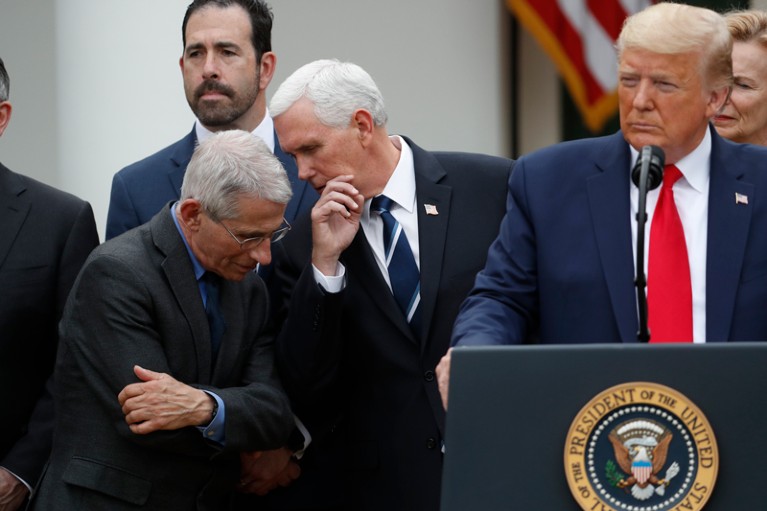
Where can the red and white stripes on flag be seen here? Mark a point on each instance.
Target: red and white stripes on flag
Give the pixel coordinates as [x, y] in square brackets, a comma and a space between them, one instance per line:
[579, 36]
[642, 471]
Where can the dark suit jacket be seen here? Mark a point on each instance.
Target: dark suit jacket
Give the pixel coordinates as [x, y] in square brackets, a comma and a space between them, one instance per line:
[45, 236]
[352, 355]
[137, 301]
[141, 189]
[563, 262]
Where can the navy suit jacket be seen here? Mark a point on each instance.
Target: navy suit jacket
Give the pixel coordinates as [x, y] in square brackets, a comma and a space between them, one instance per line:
[352, 354]
[562, 268]
[142, 189]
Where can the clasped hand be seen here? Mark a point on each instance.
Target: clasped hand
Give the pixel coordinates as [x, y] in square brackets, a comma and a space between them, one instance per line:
[160, 402]
[12, 491]
[263, 471]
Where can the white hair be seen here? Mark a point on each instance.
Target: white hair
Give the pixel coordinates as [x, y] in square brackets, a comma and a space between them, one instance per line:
[335, 88]
[229, 165]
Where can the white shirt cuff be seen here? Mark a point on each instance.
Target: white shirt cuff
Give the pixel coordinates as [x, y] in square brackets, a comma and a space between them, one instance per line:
[334, 283]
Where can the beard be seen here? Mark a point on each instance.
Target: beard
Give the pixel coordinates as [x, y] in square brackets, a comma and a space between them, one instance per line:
[221, 112]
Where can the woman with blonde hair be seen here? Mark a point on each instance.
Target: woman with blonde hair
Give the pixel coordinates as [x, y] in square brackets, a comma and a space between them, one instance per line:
[744, 116]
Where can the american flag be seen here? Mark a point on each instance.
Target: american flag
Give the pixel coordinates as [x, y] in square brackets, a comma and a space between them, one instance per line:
[579, 36]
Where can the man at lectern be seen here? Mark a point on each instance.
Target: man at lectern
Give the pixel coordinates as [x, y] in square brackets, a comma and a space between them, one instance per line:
[562, 268]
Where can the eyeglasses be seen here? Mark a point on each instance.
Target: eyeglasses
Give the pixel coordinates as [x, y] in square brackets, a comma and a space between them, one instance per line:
[257, 240]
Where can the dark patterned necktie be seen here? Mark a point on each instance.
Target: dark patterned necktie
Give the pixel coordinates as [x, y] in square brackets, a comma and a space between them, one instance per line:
[403, 272]
[216, 321]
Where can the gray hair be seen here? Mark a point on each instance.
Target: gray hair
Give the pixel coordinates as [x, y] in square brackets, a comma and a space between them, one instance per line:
[670, 28]
[5, 83]
[335, 88]
[229, 165]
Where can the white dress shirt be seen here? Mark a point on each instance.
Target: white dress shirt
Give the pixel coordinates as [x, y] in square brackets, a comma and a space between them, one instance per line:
[401, 189]
[691, 198]
[264, 131]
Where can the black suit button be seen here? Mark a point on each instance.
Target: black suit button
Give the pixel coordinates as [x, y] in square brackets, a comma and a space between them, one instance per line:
[431, 443]
[428, 376]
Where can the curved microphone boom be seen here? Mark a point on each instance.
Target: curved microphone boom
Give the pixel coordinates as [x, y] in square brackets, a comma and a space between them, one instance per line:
[647, 175]
[650, 165]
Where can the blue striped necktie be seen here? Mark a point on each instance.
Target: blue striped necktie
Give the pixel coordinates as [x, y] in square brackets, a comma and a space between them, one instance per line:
[403, 272]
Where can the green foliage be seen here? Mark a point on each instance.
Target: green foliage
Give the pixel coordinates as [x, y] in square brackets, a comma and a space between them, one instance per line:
[614, 476]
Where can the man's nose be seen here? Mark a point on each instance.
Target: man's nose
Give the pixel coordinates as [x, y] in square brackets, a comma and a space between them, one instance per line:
[210, 67]
[262, 253]
[643, 98]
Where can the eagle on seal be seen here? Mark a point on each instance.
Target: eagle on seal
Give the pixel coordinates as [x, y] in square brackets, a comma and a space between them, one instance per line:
[643, 457]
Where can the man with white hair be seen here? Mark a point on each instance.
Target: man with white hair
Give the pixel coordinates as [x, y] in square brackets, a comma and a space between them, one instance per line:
[372, 282]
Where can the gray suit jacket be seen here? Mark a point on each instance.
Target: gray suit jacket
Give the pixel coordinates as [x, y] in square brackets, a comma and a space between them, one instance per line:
[137, 301]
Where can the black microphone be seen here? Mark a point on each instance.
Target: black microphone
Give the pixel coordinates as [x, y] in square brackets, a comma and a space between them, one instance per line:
[652, 158]
[647, 174]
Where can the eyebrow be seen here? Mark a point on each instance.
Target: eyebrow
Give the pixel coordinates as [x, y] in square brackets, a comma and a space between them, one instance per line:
[250, 232]
[218, 45]
[312, 144]
[255, 233]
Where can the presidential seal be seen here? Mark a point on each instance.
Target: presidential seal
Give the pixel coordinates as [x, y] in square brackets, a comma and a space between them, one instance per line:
[641, 447]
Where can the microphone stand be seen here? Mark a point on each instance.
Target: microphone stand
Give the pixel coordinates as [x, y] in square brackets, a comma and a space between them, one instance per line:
[650, 156]
[643, 335]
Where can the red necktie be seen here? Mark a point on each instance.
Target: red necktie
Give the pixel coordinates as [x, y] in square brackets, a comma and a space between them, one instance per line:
[669, 291]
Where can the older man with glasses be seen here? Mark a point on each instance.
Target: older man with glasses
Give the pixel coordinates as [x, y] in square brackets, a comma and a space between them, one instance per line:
[165, 371]
[255, 241]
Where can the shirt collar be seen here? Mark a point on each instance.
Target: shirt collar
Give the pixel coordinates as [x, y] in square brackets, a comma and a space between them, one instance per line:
[264, 131]
[401, 185]
[695, 166]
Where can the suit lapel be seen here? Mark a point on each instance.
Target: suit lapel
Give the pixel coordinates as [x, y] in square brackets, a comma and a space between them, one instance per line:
[432, 232]
[610, 206]
[14, 210]
[180, 274]
[361, 264]
[432, 229]
[728, 225]
[180, 159]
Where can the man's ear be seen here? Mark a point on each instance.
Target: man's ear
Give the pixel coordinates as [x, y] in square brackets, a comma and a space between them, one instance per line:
[190, 213]
[5, 115]
[363, 122]
[267, 67]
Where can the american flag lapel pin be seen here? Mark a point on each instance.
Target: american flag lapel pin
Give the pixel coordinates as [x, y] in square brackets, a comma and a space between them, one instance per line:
[740, 198]
[431, 209]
